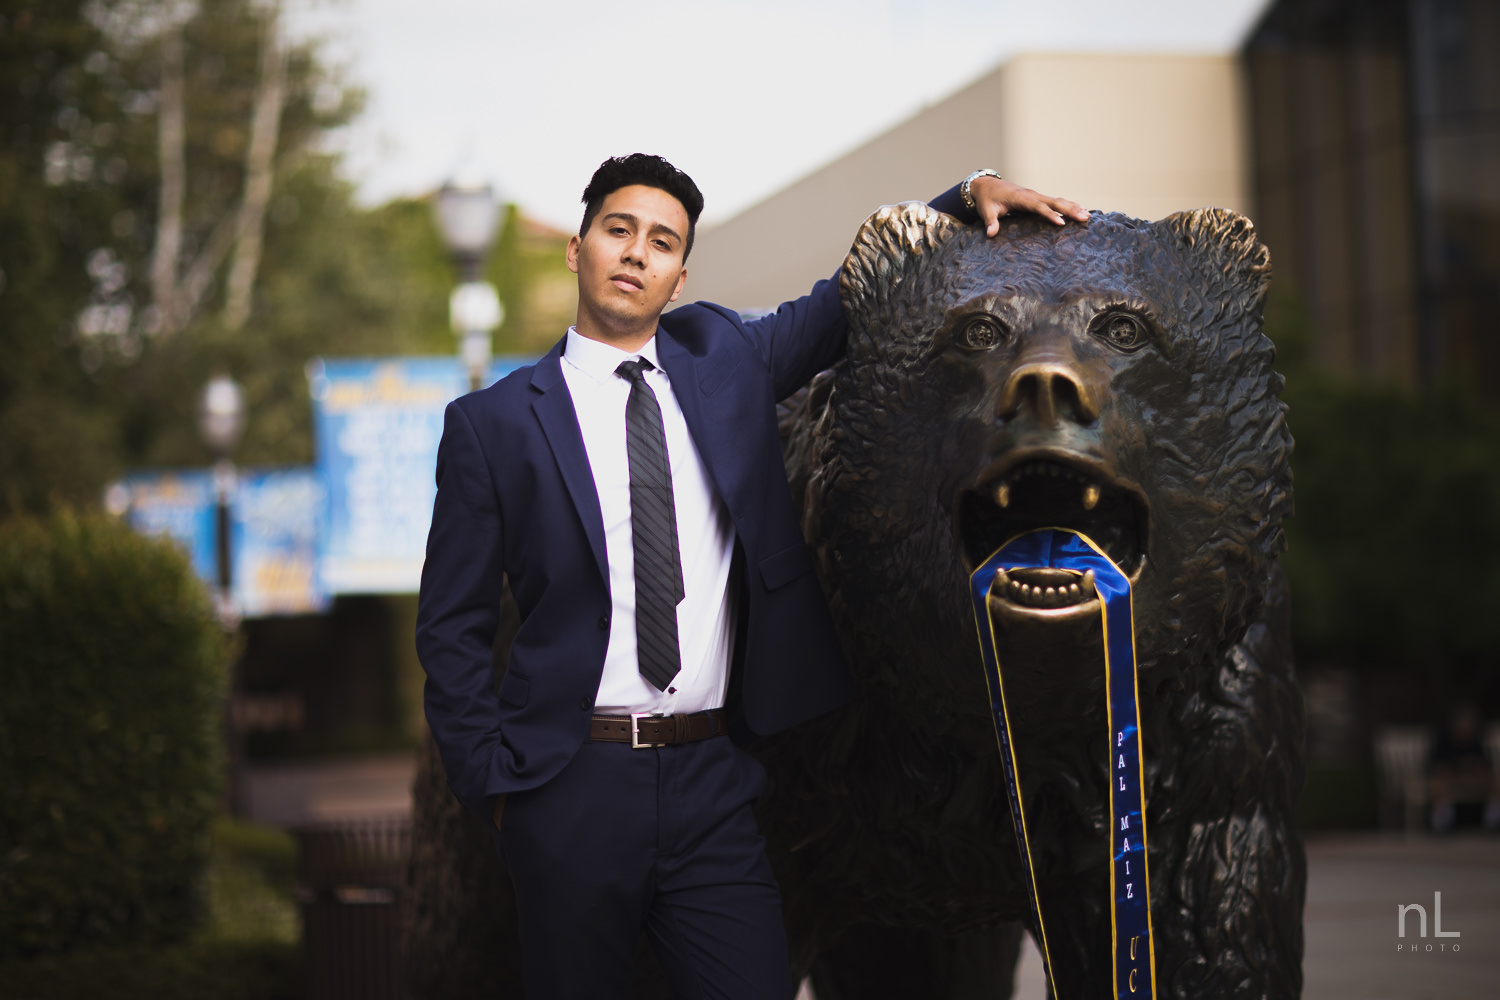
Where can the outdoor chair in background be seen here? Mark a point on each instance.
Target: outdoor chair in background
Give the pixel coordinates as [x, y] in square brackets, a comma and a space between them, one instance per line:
[1401, 768]
[1401, 763]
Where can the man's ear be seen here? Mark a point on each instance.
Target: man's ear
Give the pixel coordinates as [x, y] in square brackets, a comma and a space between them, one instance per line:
[681, 280]
[574, 242]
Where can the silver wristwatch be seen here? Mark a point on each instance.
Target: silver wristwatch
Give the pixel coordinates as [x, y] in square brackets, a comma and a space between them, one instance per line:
[968, 195]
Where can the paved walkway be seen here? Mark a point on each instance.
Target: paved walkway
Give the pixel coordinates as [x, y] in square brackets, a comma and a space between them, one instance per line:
[1355, 888]
[293, 794]
[1355, 885]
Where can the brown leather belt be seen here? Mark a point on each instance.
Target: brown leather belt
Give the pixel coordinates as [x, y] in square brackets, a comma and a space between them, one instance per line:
[641, 731]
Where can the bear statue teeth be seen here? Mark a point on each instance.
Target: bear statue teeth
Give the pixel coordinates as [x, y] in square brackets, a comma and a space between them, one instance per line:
[1091, 490]
[1043, 468]
[1048, 593]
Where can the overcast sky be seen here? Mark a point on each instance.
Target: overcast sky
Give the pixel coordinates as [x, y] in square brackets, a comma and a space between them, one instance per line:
[745, 95]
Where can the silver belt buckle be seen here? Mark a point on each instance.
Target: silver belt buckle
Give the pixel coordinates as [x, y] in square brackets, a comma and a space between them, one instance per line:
[635, 731]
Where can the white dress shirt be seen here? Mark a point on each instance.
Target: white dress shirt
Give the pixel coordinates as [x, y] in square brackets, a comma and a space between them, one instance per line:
[705, 534]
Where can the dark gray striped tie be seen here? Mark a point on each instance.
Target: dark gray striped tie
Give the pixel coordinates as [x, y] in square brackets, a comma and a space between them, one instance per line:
[653, 529]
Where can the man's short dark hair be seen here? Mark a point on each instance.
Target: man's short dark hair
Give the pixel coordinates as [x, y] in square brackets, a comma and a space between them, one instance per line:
[650, 171]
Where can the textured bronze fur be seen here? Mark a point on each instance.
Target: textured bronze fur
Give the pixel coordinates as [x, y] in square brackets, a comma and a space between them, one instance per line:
[886, 821]
[892, 812]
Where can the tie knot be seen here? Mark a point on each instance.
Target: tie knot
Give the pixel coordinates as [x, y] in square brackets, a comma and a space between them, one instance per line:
[635, 370]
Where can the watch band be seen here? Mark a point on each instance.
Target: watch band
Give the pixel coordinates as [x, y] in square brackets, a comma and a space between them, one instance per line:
[968, 196]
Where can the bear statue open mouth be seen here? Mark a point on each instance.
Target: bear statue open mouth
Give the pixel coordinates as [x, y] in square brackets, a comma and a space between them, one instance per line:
[1052, 492]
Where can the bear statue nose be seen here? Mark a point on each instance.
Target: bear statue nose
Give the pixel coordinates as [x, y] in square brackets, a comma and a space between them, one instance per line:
[1050, 388]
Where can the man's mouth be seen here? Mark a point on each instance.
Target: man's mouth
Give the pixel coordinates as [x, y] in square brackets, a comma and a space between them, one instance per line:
[1052, 491]
[627, 281]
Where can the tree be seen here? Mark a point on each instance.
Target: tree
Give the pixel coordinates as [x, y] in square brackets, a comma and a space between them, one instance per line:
[168, 209]
[62, 186]
[1394, 552]
[139, 153]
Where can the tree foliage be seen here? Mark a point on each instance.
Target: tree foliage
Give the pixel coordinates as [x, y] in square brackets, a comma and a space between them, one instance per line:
[93, 378]
[49, 104]
[1394, 552]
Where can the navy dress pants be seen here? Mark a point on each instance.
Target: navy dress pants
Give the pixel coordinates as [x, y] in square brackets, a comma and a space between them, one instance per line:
[662, 839]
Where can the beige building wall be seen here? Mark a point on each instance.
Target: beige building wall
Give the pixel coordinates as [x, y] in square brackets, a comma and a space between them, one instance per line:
[1143, 134]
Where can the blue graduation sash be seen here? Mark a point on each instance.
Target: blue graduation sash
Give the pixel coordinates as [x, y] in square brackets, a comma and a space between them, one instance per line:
[1130, 910]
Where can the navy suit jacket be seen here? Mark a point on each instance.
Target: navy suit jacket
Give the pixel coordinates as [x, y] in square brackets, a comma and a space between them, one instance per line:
[516, 501]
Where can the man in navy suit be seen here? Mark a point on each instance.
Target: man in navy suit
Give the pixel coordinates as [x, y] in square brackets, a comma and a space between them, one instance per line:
[630, 488]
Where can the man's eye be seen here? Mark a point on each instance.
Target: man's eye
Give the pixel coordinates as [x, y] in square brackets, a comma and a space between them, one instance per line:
[982, 333]
[1121, 331]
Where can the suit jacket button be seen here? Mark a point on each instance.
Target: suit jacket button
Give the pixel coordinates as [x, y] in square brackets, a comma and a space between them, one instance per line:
[603, 622]
[585, 703]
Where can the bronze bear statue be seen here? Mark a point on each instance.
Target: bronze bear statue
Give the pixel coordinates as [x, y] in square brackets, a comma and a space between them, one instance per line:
[1112, 378]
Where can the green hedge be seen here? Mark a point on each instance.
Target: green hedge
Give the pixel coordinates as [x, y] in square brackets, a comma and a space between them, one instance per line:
[111, 678]
[247, 949]
[221, 970]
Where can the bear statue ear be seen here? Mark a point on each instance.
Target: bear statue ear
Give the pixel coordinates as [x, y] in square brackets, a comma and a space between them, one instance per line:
[891, 245]
[1228, 240]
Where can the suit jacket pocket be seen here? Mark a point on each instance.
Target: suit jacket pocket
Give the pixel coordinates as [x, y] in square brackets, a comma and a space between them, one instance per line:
[786, 565]
[514, 690]
[710, 379]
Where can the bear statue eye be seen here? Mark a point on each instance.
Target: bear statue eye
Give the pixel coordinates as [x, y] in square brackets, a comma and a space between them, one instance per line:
[1121, 331]
[981, 333]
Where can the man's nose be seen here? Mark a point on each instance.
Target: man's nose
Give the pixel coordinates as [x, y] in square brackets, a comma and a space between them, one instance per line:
[1048, 386]
[634, 251]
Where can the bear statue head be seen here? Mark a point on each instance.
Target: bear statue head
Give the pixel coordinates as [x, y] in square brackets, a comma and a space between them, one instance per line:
[1110, 377]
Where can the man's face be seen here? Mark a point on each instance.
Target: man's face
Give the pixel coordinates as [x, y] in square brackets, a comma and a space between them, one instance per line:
[629, 263]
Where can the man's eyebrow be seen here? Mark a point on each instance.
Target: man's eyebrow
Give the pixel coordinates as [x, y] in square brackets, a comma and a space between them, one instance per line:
[622, 216]
[659, 228]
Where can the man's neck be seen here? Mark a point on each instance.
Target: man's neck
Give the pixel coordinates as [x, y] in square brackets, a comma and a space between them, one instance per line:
[631, 340]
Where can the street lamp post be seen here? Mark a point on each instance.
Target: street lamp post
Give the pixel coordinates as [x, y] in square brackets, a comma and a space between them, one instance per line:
[221, 420]
[468, 218]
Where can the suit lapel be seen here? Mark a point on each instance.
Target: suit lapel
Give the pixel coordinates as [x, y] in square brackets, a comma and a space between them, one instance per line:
[682, 370]
[553, 407]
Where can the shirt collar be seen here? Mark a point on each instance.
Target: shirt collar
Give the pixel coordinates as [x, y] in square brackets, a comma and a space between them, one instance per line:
[599, 360]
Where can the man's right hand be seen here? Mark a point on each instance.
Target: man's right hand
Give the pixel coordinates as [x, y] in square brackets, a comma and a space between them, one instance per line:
[498, 811]
[994, 198]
